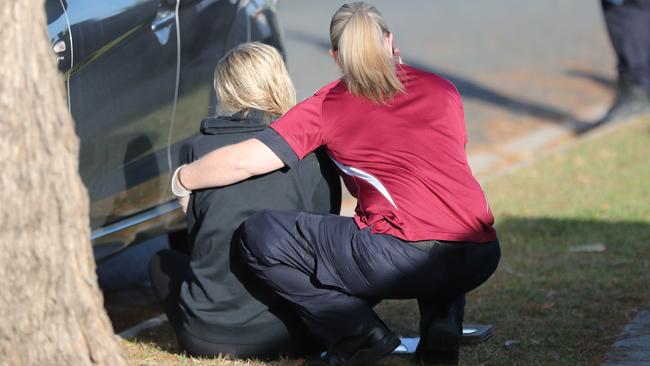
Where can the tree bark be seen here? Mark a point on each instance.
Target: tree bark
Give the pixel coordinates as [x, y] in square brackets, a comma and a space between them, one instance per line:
[51, 310]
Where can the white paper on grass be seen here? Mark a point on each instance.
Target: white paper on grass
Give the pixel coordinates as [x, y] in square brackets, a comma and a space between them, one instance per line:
[409, 345]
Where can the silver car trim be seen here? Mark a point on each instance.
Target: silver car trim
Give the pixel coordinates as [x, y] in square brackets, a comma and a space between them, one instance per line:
[135, 220]
[67, 22]
[176, 89]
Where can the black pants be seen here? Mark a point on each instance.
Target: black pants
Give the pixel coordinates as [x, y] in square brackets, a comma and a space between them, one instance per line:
[629, 29]
[167, 270]
[333, 272]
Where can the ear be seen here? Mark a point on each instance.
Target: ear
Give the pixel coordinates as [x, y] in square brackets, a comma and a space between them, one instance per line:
[333, 54]
[389, 42]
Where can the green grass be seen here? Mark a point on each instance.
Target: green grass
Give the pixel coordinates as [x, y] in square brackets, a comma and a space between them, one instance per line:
[548, 305]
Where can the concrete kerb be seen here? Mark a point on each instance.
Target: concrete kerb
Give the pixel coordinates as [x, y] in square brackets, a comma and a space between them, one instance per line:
[633, 345]
[501, 156]
[591, 134]
[133, 332]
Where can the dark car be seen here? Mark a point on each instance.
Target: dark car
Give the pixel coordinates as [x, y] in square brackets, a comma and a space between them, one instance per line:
[139, 80]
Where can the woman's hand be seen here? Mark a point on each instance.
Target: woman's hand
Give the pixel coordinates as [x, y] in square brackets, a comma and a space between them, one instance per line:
[184, 201]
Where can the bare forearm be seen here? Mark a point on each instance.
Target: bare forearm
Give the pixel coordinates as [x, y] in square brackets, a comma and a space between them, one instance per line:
[229, 164]
[216, 169]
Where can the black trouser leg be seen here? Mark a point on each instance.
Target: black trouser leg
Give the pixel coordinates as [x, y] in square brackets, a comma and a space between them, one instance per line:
[327, 267]
[629, 30]
[441, 329]
[168, 269]
[441, 316]
[441, 310]
[278, 254]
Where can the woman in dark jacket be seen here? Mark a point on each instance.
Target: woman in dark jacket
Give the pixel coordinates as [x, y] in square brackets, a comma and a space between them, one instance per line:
[214, 304]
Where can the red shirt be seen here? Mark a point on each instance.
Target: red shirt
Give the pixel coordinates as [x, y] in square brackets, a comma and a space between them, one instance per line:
[404, 161]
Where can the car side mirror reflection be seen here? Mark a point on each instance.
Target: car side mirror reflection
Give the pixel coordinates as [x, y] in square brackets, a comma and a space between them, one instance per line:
[53, 9]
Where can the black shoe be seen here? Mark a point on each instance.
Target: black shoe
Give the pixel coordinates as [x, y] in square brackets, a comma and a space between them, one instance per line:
[631, 100]
[373, 343]
[440, 339]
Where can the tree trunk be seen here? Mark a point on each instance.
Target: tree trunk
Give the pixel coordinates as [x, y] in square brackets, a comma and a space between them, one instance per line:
[51, 310]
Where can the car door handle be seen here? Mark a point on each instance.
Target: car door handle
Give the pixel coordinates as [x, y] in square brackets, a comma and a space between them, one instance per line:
[164, 18]
[60, 49]
[166, 14]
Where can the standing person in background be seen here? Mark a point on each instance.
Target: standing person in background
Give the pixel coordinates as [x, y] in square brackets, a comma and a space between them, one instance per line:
[628, 24]
[214, 303]
[423, 228]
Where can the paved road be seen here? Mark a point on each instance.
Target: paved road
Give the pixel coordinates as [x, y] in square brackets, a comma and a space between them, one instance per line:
[520, 65]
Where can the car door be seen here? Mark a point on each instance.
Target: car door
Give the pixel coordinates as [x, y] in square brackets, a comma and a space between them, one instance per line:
[121, 69]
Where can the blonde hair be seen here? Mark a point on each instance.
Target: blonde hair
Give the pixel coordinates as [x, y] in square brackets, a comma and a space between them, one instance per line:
[253, 76]
[358, 34]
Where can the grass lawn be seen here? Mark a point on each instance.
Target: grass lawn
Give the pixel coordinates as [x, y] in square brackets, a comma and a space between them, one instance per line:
[549, 304]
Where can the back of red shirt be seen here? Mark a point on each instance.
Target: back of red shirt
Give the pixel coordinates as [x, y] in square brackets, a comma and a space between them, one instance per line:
[404, 161]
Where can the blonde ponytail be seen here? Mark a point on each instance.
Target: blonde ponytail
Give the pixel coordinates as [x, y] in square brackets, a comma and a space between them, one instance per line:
[358, 33]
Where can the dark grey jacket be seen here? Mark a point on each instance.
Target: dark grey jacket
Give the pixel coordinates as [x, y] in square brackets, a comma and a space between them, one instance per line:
[222, 302]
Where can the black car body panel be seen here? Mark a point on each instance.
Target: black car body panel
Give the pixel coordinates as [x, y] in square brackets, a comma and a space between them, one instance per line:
[137, 97]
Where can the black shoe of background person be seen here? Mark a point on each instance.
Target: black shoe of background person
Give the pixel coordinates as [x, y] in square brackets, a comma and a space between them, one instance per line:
[440, 341]
[631, 100]
[372, 343]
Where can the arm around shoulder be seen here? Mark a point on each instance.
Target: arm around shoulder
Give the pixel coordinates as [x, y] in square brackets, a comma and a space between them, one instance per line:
[230, 164]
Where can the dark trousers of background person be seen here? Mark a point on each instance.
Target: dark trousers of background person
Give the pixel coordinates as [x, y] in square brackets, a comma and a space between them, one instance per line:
[334, 272]
[169, 268]
[628, 23]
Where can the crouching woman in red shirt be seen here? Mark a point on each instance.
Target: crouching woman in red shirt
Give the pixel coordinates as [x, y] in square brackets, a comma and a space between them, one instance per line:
[423, 226]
